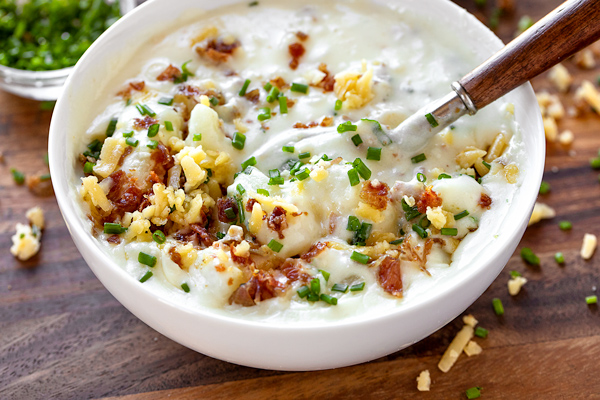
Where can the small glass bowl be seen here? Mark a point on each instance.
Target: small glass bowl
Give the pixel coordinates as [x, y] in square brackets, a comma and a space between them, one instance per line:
[43, 85]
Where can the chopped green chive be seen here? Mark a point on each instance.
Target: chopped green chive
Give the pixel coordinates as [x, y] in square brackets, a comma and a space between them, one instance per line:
[498, 307]
[529, 256]
[338, 105]
[357, 140]
[360, 258]
[303, 291]
[565, 225]
[473, 393]
[461, 214]
[340, 287]
[431, 120]
[591, 300]
[88, 168]
[299, 87]
[273, 93]
[46, 160]
[353, 224]
[595, 163]
[220, 235]
[127, 134]
[197, 137]
[276, 180]
[239, 140]
[397, 241]
[419, 230]
[544, 187]
[185, 70]
[230, 213]
[159, 237]
[315, 286]
[113, 229]
[264, 192]
[240, 189]
[152, 144]
[312, 297]
[374, 153]
[361, 168]
[302, 175]
[515, 274]
[487, 165]
[146, 276]
[449, 231]
[329, 299]
[444, 176]
[418, 158]
[147, 110]
[346, 127]
[304, 155]
[132, 142]
[265, 113]
[249, 162]
[214, 101]
[275, 245]
[358, 287]
[559, 257]
[421, 177]
[112, 126]
[185, 287]
[288, 149]
[166, 101]
[325, 275]
[153, 130]
[244, 87]
[169, 126]
[353, 177]
[146, 259]
[253, 4]
[481, 332]
[283, 108]
[18, 176]
[267, 86]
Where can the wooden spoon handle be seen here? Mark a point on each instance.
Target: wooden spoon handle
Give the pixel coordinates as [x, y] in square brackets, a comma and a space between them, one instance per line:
[569, 28]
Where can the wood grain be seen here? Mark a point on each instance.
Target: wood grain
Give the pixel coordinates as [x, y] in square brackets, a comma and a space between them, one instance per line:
[62, 335]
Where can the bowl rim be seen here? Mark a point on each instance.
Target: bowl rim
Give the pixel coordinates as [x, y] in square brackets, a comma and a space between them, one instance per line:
[76, 227]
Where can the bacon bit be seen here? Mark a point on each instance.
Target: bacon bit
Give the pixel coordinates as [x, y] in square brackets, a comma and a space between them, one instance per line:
[230, 282]
[250, 204]
[163, 161]
[277, 221]
[301, 35]
[290, 103]
[127, 152]
[428, 198]
[327, 121]
[328, 82]
[153, 178]
[337, 160]
[189, 90]
[203, 236]
[375, 194]
[169, 74]
[223, 204]
[292, 269]
[39, 187]
[217, 50]
[279, 82]
[144, 123]
[485, 201]
[145, 203]
[332, 222]
[138, 86]
[124, 194]
[175, 256]
[296, 51]
[300, 125]
[114, 239]
[314, 251]
[390, 276]
[253, 96]
[426, 251]
[219, 268]
[261, 286]
[240, 260]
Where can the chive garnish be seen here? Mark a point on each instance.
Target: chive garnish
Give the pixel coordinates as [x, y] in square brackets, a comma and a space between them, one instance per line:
[374, 153]
[346, 127]
[214, 101]
[127, 134]
[515, 274]
[304, 155]
[264, 192]
[288, 149]
[559, 257]
[353, 223]
[113, 229]
[358, 287]
[418, 158]
[146, 276]
[420, 231]
[449, 231]
[239, 140]
[147, 110]
[312, 297]
[303, 174]
[473, 393]
[152, 144]
[338, 105]
[461, 214]
[197, 137]
[267, 86]
[299, 87]
[529, 256]
[249, 162]
[357, 140]
[265, 113]
[481, 332]
[88, 168]
[230, 213]
[244, 87]
[18, 176]
[431, 120]
[165, 101]
[275, 245]
[361, 168]
[397, 241]
[325, 275]
[240, 189]
[498, 307]
[220, 235]
[544, 187]
[273, 93]
[132, 142]
[169, 126]
[340, 287]
[595, 163]
[153, 130]
[353, 177]
[329, 299]
[303, 291]
[159, 237]
[421, 177]
[591, 300]
[185, 287]
[315, 285]
[112, 126]
[360, 258]
[146, 259]
[283, 108]
[565, 225]
[487, 165]
[277, 180]
[444, 176]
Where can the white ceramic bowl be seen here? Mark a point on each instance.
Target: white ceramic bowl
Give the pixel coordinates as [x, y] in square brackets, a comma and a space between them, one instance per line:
[265, 345]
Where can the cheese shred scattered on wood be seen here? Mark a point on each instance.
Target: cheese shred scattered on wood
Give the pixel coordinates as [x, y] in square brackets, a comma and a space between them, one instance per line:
[589, 246]
[456, 347]
[541, 211]
[472, 349]
[515, 284]
[424, 381]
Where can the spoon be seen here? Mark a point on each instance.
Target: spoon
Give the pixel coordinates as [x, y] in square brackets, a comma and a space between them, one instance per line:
[572, 26]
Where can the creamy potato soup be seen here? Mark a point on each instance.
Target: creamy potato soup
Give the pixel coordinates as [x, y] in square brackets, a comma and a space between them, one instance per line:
[243, 163]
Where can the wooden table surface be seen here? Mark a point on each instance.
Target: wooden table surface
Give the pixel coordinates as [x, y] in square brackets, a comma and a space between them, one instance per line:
[62, 335]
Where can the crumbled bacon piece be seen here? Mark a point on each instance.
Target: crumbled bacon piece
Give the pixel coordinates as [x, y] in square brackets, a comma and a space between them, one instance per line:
[145, 203]
[223, 204]
[327, 121]
[296, 51]
[175, 256]
[279, 83]
[301, 35]
[261, 286]
[328, 82]
[39, 187]
[314, 251]
[390, 276]
[114, 239]
[250, 204]
[203, 236]
[277, 221]
[217, 50]
[300, 125]
[127, 152]
[292, 269]
[138, 86]
[124, 194]
[485, 201]
[144, 123]
[428, 198]
[375, 194]
[163, 161]
[171, 73]
[253, 96]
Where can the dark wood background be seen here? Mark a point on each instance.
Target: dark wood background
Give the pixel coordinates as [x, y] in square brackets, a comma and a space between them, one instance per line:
[62, 335]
